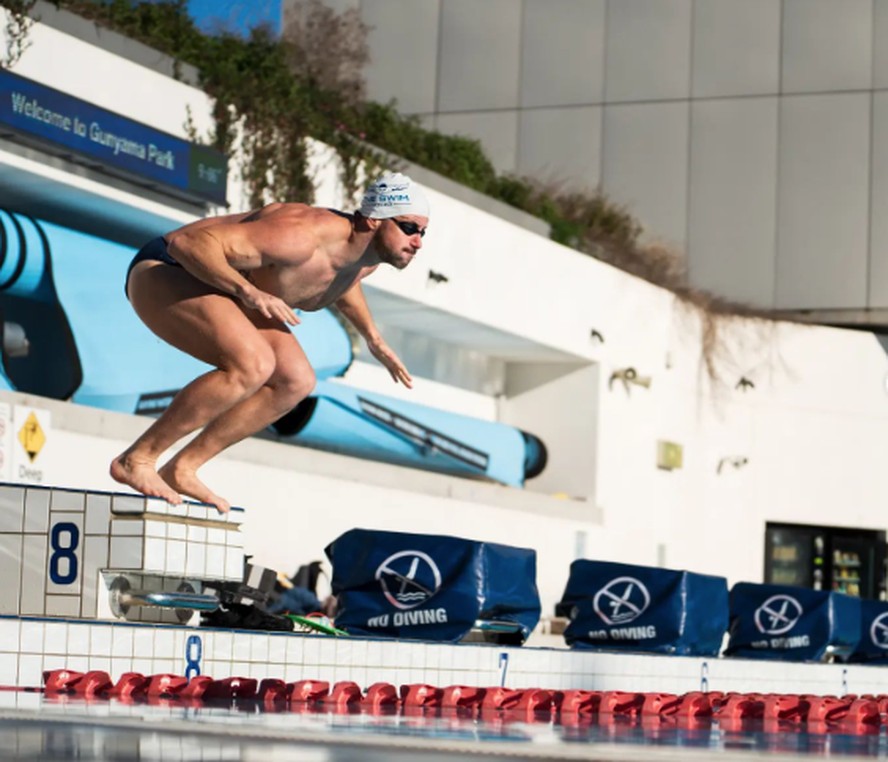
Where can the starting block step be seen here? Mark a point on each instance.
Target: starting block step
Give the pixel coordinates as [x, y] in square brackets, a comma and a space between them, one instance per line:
[56, 545]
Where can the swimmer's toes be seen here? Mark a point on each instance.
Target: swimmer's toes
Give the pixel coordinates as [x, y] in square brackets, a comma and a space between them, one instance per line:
[143, 478]
[188, 484]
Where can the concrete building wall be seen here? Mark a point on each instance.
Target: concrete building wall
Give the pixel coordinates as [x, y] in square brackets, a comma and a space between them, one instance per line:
[747, 134]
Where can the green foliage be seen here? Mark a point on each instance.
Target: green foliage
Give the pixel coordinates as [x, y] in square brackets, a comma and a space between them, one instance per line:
[452, 156]
[256, 96]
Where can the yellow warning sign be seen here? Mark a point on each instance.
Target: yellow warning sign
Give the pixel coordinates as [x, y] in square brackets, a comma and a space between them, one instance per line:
[32, 437]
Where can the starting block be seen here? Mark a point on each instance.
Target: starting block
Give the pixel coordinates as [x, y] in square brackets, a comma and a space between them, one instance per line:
[99, 555]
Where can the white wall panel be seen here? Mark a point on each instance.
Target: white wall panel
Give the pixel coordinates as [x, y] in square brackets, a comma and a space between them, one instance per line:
[410, 77]
[878, 245]
[733, 198]
[562, 146]
[823, 201]
[479, 52]
[880, 44]
[827, 45]
[648, 50]
[562, 52]
[736, 48]
[645, 165]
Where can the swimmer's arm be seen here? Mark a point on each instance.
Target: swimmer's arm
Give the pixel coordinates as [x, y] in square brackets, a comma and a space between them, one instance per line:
[218, 255]
[353, 304]
[203, 252]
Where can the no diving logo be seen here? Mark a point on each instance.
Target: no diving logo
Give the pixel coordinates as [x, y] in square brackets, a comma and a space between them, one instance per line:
[879, 631]
[778, 614]
[408, 578]
[621, 600]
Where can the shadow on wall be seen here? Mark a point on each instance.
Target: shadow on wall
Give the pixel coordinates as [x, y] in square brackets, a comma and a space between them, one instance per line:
[62, 300]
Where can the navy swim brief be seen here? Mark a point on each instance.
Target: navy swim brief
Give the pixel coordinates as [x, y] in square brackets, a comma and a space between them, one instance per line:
[155, 250]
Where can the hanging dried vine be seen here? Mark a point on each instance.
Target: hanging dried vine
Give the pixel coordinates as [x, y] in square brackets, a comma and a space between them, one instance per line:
[18, 23]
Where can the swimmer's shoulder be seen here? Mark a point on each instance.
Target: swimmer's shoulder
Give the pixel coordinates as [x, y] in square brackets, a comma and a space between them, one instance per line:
[326, 225]
[277, 211]
[301, 214]
[309, 226]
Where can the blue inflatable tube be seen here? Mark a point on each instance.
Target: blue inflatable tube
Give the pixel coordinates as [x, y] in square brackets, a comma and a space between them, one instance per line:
[369, 425]
[87, 344]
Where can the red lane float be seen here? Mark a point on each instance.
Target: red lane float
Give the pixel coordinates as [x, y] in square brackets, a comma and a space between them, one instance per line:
[272, 691]
[421, 695]
[307, 691]
[344, 694]
[93, 684]
[166, 685]
[577, 702]
[381, 696]
[849, 714]
[130, 685]
[462, 697]
[621, 703]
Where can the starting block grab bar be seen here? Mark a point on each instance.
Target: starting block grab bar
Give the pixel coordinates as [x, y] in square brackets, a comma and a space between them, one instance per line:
[177, 600]
[184, 600]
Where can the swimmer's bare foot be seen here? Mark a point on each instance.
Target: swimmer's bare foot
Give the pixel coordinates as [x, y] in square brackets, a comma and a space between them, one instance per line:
[142, 477]
[185, 480]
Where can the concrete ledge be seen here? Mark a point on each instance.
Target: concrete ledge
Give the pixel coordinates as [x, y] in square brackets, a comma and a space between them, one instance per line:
[79, 419]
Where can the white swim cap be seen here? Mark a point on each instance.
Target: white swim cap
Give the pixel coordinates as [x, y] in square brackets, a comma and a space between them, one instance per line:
[394, 194]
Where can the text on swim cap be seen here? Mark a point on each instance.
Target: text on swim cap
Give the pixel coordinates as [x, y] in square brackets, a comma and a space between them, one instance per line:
[389, 199]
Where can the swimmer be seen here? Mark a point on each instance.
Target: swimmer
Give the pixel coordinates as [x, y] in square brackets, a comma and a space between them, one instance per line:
[224, 290]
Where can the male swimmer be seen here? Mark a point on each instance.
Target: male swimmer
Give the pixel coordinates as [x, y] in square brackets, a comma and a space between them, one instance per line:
[224, 290]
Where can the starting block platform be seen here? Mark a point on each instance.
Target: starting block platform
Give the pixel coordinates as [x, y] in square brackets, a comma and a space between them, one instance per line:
[93, 555]
[115, 583]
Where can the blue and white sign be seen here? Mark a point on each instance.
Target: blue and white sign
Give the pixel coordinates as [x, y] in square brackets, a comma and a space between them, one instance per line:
[622, 600]
[639, 608]
[778, 614]
[409, 578]
[430, 587]
[873, 645]
[791, 623]
[117, 142]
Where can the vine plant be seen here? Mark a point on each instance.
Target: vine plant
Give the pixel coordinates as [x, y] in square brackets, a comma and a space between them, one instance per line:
[18, 23]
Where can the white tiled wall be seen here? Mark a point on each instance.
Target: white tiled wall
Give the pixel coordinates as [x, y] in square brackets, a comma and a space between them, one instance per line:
[30, 646]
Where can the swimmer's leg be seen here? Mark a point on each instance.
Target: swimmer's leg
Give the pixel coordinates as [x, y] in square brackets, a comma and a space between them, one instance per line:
[293, 379]
[211, 327]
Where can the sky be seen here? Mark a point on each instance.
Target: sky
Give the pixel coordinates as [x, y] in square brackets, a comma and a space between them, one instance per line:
[235, 15]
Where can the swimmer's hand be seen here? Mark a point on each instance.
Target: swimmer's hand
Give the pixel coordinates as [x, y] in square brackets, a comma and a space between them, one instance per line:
[386, 355]
[269, 306]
